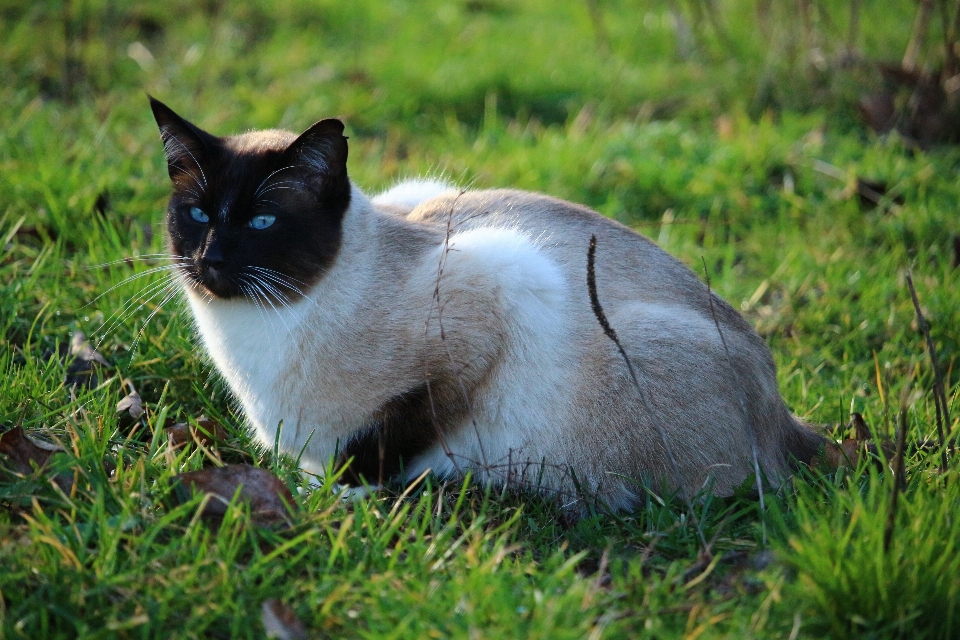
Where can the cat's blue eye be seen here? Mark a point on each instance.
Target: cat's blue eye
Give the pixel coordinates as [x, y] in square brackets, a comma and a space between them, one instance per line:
[198, 215]
[262, 221]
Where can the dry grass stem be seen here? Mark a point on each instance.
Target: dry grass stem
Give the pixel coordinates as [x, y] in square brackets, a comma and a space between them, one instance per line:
[610, 333]
[939, 392]
[899, 479]
[747, 423]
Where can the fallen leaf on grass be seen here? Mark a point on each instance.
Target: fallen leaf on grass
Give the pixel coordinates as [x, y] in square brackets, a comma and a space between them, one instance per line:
[26, 455]
[24, 452]
[206, 432]
[879, 111]
[270, 500]
[920, 104]
[860, 428]
[130, 409]
[741, 576]
[281, 622]
[131, 405]
[874, 192]
[102, 204]
[847, 453]
[82, 370]
[838, 454]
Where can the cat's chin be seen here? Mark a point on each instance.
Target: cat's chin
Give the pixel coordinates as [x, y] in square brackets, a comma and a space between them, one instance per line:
[217, 287]
[221, 292]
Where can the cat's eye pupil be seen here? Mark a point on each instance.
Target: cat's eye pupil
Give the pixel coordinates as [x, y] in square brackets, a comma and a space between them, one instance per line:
[198, 215]
[262, 221]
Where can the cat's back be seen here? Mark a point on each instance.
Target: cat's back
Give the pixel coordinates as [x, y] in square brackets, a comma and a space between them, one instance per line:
[628, 265]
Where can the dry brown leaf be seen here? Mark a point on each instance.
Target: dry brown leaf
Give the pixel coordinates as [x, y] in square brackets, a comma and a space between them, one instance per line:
[24, 455]
[874, 192]
[132, 405]
[860, 428]
[130, 410]
[281, 622]
[80, 348]
[269, 499]
[82, 369]
[741, 576]
[879, 111]
[207, 431]
[838, 454]
[920, 104]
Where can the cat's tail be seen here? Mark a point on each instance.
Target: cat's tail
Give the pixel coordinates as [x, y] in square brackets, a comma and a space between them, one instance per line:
[800, 443]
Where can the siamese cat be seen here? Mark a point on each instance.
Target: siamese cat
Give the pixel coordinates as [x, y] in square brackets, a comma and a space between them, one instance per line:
[435, 328]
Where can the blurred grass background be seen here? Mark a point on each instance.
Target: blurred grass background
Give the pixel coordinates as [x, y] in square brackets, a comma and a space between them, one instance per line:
[729, 131]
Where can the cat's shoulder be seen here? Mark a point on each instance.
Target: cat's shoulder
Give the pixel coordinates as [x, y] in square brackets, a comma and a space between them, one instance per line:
[409, 194]
[503, 265]
[431, 201]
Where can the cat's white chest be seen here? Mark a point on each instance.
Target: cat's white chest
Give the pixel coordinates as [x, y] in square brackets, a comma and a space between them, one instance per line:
[255, 347]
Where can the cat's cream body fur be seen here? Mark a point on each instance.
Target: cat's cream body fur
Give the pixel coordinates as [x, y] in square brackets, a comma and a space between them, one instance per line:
[489, 289]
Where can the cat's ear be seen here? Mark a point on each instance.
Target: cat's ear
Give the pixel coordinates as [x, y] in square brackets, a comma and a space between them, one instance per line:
[322, 149]
[184, 144]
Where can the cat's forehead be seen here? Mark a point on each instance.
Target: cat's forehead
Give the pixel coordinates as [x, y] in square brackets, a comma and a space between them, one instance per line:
[259, 142]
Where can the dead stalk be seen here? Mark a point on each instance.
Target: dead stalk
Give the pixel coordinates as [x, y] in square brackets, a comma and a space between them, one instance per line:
[747, 423]
[939, 392]
[920, 27]
[883, 389]
[853, 29]
[426, 329]
[898, 481]
[610, 333]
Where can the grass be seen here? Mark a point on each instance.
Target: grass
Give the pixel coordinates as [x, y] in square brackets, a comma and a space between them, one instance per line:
[675, 146]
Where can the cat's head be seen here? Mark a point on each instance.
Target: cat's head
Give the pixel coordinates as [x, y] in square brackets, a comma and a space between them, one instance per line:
[256, 215]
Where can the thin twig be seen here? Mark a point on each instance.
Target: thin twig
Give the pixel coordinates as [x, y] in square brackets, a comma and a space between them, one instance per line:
[426, 329]
[949, 39]
[898, 481]
[939, 394]
[920, 28]
[884, 390]
[853, 28]
[747, 423]
[954, 28]
[599, 26]
[610, 333]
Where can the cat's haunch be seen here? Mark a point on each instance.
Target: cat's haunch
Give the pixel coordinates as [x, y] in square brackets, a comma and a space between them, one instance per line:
[437, 328]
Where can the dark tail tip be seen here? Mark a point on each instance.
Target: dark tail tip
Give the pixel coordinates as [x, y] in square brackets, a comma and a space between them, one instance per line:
[802, 444]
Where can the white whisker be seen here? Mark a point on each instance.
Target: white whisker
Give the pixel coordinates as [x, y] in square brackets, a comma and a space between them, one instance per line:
[279, 281]
[266, 288]
[172, 292]
[282, 278]
[261, 201]
[145, 256]
[254, 295]
[281, 297]
[119, 317]
[166, 136]
[260, 186]
[275, 187]
[136, 276]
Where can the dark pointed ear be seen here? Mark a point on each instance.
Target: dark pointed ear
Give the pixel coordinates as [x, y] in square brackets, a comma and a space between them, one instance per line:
[322, 149]
[184, 144]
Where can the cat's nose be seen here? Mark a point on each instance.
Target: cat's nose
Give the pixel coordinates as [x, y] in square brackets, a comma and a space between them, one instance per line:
[212, 257]
[212, 263]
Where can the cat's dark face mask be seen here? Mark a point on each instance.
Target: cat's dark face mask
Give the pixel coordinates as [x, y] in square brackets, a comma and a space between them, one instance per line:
[256, 216]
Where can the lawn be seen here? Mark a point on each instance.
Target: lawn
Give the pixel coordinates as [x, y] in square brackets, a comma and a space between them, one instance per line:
[716, 139]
